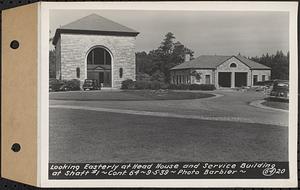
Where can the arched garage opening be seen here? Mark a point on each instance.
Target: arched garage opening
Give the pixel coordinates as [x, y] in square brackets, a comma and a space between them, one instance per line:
[99, 66]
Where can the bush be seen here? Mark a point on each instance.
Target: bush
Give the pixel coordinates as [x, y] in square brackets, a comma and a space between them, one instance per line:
[183, 86]
[202, 87]
[128, 84]
[64, 85]
[172, 86]
[179, 86]
[158, 76]
[142, 77]
[142, 85]
[164, 86]
[55, 84]
[155, 85]
[192, 87]
[72, 85]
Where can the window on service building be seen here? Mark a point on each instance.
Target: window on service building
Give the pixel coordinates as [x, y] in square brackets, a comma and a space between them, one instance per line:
[263, 78]
[232, 65]
[78, 72]
[207, 79]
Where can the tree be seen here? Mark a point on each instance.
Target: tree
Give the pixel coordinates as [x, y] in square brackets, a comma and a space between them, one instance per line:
[158, 76]
[167, 45]
[279, 64]
[52, 64]
[144, 63]
[142, 77]
[159, 61]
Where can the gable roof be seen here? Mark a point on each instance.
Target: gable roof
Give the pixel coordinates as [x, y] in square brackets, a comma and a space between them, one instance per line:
[252, 64]
[203, 62]
[213, 61]
[94, 24]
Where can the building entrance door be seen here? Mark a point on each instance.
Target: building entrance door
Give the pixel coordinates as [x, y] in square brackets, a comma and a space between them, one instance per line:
[99, 66]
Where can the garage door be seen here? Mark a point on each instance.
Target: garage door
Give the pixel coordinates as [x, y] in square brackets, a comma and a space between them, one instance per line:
[225, 79]
[240, 79]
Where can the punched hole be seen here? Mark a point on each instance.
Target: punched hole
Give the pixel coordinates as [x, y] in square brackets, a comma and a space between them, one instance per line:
[16, 147]
[14, 44]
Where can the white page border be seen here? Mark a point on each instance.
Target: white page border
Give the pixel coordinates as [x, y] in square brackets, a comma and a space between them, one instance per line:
[43, 95]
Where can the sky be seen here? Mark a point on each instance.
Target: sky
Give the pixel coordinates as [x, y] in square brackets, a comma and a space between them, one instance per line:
[205, 32]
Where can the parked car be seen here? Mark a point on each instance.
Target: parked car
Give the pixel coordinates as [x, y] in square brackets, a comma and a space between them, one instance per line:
[267, 83]
[280, 90]
[91, 84]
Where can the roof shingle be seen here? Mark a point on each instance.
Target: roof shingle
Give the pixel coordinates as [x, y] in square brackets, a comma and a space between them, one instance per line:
[94, 24]
[212, 61]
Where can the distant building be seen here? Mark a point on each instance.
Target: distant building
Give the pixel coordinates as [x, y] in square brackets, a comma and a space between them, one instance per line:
[221, 71]
[94, 47]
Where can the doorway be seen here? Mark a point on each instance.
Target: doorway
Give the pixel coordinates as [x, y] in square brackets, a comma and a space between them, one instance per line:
[99, 66]
[225, 79]
[240, 79]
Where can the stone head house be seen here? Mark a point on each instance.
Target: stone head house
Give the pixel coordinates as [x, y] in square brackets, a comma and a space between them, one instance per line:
[94, 47]
[221, 71]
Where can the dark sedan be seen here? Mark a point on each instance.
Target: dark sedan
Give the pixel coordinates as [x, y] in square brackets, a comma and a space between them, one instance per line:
[280, 90]
[91, 84]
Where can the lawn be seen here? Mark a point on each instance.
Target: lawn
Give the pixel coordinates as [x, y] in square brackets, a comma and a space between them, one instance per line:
[94, 136]
[129, 95]
[276, 104]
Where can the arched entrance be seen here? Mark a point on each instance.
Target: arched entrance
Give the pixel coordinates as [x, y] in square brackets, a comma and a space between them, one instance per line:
[99, 66]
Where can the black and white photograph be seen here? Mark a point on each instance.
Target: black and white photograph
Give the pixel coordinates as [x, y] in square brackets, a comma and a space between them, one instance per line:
[169, 94]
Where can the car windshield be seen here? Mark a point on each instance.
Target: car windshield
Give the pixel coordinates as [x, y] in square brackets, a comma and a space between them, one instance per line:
[281, 86]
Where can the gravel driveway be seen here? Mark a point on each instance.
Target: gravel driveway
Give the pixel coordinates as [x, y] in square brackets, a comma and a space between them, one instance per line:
[231, 104]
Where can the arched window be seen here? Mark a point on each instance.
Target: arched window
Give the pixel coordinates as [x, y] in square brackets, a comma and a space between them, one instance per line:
[78, 72]
[121, 72]
[99, 56]
[233, 65]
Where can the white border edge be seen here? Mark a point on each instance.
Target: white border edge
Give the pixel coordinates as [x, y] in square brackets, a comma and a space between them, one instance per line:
[216, 6]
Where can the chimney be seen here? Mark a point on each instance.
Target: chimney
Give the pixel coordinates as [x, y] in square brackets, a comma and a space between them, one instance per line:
[187, 57]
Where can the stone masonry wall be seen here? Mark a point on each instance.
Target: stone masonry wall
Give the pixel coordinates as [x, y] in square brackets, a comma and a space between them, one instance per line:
[203, 73]
[75, 47]
[260, 73]
[225, 67]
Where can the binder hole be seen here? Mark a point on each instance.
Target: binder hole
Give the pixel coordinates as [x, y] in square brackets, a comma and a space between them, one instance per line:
[14, 44]
[16, 147]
